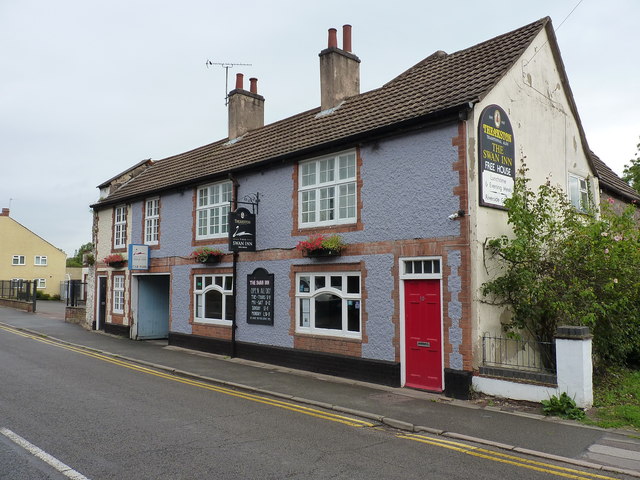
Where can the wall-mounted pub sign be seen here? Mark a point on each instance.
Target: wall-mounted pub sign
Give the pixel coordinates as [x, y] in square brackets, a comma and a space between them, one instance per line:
[242, 231]
[496, 153]
[260, 297]
[138, 257]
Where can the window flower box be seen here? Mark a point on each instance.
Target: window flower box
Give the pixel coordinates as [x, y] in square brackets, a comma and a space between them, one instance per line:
[321, 246]
[206, 255]
[115, 260]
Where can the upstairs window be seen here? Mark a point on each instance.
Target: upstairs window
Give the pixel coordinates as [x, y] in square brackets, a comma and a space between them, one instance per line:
[327, 193]
[17, 260]
[120, 227]
[151, 221]
[40, 260]
[579, 192]
[212, 210]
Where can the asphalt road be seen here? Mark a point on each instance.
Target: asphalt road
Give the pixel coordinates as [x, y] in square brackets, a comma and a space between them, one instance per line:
[109, 419]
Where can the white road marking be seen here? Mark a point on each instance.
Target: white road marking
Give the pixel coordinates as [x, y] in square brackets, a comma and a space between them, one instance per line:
[42, 455]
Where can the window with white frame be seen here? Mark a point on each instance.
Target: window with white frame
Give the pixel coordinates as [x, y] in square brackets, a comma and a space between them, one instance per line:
[40, 282]
[120, 227]
[327, 191]
[151, 221]
[17, 260]
[329, 303]
[118, 294]
[40, 260]
[213, 298]
[578, 192]
[422, 268]
[213, 209]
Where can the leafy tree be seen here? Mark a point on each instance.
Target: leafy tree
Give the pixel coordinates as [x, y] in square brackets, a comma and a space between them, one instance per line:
[631, 172]
[562, 266]
[76, 260]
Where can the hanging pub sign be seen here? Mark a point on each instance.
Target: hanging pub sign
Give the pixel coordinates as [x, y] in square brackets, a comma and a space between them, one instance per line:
[242, 231]
[138, 257]
[496, 154]
[260, 297]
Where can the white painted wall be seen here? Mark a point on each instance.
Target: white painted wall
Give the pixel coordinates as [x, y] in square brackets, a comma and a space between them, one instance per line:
[574, 377]
[547, 139]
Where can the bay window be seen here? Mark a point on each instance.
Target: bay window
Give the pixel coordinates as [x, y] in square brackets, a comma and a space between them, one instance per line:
[329, 303]
[213, 299]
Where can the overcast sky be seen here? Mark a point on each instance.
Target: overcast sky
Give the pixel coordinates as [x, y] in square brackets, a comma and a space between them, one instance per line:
[89, 88]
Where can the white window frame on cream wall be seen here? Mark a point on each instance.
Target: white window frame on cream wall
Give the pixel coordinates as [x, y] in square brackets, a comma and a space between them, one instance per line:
[212, 210]
[327, 190]
[18, 260]
[120, 226]
[41, 283]
[578, 185]
[40, 260]
[118, 294]
[320, 284]
[151, 221]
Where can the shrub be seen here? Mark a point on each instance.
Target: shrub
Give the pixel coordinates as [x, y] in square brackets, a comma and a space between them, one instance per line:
[563, 406]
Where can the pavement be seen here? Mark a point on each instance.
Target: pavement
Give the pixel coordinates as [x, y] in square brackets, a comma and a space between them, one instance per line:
[545, 437]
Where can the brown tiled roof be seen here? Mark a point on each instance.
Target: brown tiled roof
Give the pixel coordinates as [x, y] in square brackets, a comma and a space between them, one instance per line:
[438, 84]
[611, 182]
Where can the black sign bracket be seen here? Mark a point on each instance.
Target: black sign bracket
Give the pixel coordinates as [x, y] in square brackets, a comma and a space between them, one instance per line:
[252, 199]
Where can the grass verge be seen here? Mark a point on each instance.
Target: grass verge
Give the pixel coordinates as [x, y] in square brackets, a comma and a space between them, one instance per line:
[616, 399]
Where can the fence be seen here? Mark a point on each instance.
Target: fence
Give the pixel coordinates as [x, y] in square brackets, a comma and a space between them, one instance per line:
[18, 289]
[525, 359]
[75, 293]
[513, 370]
[18, 293]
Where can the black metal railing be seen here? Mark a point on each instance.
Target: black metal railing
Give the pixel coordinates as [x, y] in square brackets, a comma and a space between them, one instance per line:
[23, 290]
[523, 355]
[75, 292]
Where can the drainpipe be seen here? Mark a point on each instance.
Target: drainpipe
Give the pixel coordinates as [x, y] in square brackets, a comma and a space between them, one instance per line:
[234, 324]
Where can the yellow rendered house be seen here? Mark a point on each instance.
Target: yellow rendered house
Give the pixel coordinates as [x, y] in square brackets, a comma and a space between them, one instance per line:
[26, 256]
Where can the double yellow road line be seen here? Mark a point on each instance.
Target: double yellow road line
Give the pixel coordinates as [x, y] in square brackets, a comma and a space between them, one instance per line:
[352, 422]
[504, 458]
[324, 415]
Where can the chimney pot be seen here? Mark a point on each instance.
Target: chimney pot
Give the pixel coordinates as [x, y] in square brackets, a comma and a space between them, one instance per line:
[254, 85]
[333, 38]
[239, 80]
[346, 38]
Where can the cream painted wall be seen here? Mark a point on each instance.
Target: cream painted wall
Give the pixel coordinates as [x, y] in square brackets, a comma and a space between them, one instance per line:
[103, 247]
[546, 137]
[15, 239]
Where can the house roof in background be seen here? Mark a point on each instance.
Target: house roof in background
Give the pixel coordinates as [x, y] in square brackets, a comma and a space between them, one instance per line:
[611, 182]
[440, 84]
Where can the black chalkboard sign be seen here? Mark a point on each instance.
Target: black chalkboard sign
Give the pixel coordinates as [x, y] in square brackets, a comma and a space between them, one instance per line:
[260, 297]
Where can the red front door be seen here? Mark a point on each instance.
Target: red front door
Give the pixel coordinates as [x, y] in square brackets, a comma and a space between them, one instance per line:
[423, 335]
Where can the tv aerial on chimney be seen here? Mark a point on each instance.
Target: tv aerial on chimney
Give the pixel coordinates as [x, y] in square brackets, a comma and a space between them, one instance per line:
[226, 66]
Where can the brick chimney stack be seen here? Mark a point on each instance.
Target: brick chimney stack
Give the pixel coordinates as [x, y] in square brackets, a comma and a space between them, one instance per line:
[246, 108]
[339, 70]
[5, 212]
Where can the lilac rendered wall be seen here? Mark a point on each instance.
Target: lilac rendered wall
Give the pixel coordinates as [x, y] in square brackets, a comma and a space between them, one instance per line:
[407, 193]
